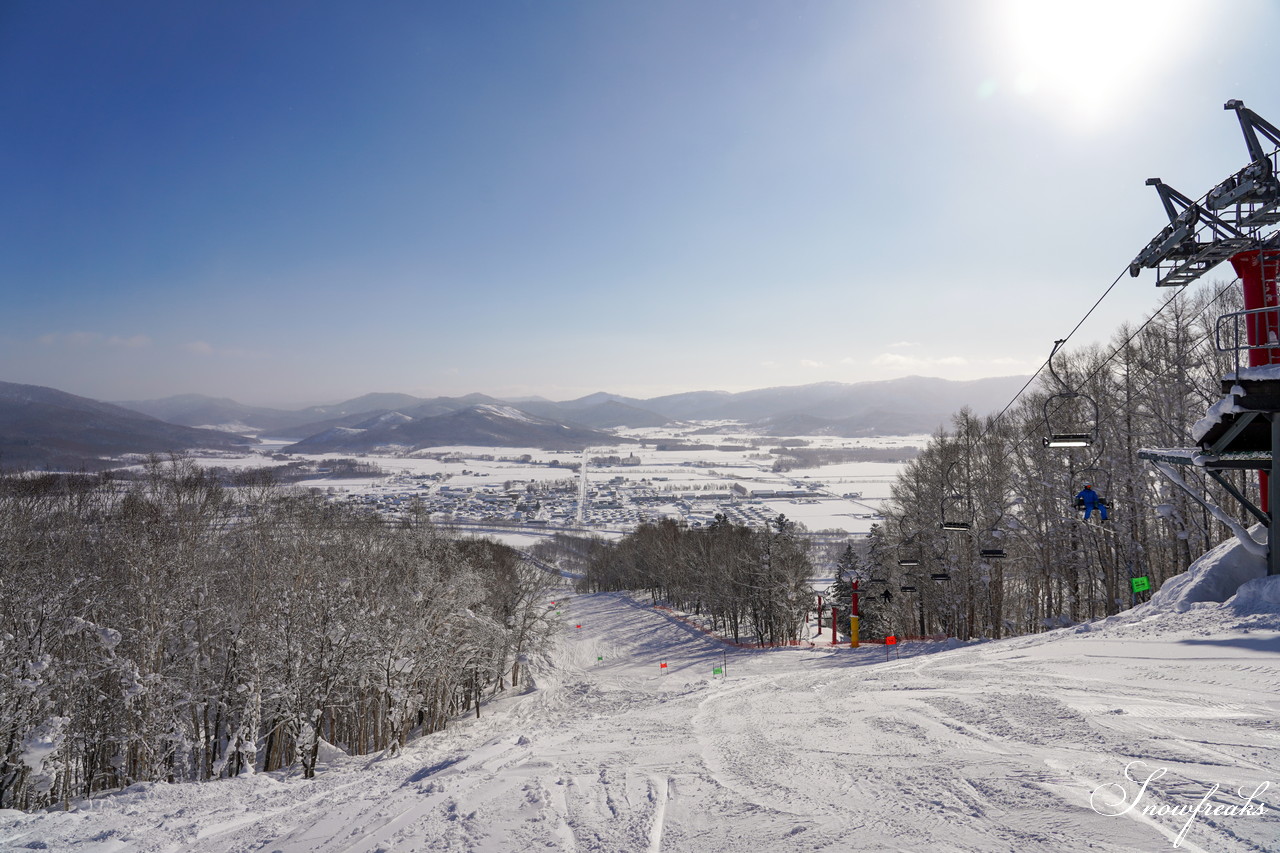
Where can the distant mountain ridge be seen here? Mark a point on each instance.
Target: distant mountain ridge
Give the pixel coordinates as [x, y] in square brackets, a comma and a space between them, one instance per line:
[485, 424]
[912, 404]
[45, 428]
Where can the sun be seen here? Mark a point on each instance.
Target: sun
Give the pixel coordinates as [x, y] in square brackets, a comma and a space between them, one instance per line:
[1089, 57]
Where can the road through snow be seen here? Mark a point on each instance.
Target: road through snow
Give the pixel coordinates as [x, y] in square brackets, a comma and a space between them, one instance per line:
[987, 747]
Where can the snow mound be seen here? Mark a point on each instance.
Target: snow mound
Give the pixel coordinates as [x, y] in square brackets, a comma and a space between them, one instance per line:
[328, 753]
[1261, 595]
[1214, 577]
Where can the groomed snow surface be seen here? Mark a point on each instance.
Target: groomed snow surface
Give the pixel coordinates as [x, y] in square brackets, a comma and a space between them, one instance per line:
[1030, 744]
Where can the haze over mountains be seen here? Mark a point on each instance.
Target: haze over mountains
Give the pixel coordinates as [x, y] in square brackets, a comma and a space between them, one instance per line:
[43, 427]
[914, 403]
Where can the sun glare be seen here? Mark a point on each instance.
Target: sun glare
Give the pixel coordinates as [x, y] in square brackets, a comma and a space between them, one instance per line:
[1089, 57]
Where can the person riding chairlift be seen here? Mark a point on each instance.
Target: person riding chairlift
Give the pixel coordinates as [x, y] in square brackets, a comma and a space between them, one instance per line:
[1088, 500]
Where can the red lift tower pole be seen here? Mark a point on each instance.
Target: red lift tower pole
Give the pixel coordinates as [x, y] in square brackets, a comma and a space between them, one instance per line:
[1257, 270]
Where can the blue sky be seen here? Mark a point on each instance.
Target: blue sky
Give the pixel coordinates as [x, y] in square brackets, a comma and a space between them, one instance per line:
[285, 202]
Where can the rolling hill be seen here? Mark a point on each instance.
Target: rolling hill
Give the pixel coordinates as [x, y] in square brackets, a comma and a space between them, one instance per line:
[486, 424]
[45, 428]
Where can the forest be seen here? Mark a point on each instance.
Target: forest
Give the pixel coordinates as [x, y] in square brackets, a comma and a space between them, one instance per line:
[1017, 555]
[174, 628]
[751, 582]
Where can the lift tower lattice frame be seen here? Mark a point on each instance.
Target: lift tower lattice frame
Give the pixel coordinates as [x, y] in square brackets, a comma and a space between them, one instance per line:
[1237, 220]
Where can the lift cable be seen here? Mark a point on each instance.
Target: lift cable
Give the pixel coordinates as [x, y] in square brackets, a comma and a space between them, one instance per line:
[1120, 347]
[1115, 352]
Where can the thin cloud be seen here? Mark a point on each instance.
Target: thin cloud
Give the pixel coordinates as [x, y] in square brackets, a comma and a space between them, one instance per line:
[133, 342]
[893, 359]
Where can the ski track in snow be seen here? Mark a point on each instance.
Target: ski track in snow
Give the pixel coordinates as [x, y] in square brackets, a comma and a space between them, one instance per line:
[988, 747]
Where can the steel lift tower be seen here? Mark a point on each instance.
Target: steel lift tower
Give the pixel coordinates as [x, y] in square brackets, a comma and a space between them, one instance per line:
[1238, 220]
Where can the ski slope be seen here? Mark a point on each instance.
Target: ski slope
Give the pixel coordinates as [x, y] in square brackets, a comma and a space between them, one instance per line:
[987, 747]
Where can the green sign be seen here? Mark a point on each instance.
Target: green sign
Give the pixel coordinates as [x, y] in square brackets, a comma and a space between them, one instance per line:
[1141, 584]
[718, 671]
[599, 658]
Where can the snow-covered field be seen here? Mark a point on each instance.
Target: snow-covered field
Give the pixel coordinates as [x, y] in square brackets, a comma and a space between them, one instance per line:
[691, 476]
[1025, 744]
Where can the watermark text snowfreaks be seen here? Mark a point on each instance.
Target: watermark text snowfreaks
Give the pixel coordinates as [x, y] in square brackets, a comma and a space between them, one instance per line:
[1113, 799]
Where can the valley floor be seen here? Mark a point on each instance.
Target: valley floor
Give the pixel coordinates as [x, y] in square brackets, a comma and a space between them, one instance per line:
[1017, 745]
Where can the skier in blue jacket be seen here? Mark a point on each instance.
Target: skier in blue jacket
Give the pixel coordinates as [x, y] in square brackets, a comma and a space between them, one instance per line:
[1090, 500]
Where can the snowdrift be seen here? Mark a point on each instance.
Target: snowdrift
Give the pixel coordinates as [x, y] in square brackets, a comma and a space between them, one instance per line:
[1215, 577]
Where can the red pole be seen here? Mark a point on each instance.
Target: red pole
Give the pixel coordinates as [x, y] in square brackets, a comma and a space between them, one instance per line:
[853, 604]
[834, 619]
[1257, 271]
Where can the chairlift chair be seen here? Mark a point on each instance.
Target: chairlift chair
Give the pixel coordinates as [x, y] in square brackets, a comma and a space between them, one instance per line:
[1061, 437]
[909, 557]
[1100, 479]
[1057, 438]
[951, 519]
[992, 553]
[940, 576]
[1068, 439]
[953, 515]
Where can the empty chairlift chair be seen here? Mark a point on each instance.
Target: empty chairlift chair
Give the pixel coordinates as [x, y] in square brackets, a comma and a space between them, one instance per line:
[1065, 424]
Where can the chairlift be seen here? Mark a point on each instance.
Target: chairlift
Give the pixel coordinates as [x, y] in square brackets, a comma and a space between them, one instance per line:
[941, 576]
[954, 506]
[909, 557]
[992, 533]
[1095, 477]
[1067, 438]
[907, 588]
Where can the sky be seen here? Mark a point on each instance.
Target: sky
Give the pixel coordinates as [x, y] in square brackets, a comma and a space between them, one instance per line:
[294, 202]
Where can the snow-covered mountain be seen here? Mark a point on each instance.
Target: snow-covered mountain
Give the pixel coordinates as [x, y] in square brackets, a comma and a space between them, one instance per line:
[904, 406]
[486, 424]
[43, 427]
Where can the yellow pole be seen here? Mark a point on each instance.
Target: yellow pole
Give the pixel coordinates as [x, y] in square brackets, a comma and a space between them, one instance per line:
[853, 632]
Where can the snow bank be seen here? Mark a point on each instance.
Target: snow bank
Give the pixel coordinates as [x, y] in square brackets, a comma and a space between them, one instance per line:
[1214, 577]
[1261, 595]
